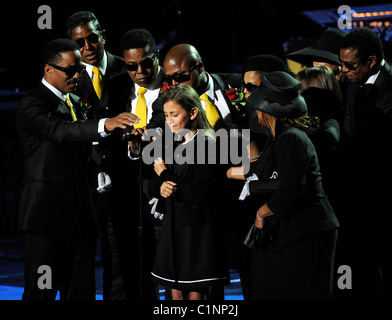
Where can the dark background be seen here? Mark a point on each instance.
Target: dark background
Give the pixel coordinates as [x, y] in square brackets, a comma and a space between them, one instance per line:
[224, 32]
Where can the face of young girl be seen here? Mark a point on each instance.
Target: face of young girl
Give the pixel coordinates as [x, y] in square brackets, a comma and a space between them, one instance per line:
[176, 116]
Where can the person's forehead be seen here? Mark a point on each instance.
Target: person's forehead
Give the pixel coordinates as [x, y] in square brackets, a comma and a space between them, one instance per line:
[349, 54]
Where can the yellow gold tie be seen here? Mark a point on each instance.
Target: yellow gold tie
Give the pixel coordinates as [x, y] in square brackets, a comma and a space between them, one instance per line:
[97, 80]
[74, 118]
[141, 108]
[212, 112]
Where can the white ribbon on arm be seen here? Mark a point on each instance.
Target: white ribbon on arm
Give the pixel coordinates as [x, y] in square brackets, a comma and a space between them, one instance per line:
[154, 203]
[245, 190]
[104, 183]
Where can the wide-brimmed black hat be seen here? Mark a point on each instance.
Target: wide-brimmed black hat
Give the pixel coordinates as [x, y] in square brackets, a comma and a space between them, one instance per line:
[265, 63]
[278, 95]
[326, 49]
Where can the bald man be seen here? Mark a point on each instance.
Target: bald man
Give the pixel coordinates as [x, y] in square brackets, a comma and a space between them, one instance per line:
[183, 65]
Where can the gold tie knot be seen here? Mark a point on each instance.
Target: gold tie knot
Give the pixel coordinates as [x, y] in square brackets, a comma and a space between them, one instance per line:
[142, 91]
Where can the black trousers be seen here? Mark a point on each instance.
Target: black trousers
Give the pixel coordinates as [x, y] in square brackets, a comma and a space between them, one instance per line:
[302, 270]
[59, 263]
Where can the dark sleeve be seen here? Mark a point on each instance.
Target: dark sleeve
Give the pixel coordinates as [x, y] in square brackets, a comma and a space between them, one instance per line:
[35, 119]
[197, 189]
[154, 185]
[158, 116]
[292, 160]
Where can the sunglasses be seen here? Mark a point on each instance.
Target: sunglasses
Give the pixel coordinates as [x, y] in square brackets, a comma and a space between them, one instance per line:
[249, 86]
[147, 63]
[351, 66]
[70, 71]
[92, 38]
[179, 77]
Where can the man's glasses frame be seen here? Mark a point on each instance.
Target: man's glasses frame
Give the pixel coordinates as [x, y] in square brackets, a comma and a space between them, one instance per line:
[147, 63]
[70, 71]
[92, 38]
[179, 77]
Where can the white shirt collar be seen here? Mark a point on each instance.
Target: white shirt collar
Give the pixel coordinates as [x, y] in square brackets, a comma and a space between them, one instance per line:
[102, 65]
[372, 79]
[210, 88]
[56, 91]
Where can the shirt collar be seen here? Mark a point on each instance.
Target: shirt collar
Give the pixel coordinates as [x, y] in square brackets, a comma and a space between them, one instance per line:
[56, 91]
[210, 88]
[372, 79]
[102, 65]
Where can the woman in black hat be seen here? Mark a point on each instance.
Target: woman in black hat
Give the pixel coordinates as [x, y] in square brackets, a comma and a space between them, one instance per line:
[294, 252]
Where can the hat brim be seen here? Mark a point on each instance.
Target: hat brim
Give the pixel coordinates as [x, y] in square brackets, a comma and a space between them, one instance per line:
[293, 108]
[308, 55]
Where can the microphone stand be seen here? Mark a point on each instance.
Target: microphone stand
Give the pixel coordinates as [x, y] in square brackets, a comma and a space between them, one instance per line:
[140, 227]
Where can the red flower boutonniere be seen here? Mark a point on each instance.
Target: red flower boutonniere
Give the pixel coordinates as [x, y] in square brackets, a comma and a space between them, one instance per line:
[165, 86]
[85, 106]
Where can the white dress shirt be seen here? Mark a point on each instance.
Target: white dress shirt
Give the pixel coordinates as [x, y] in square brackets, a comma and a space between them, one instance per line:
[61, 96]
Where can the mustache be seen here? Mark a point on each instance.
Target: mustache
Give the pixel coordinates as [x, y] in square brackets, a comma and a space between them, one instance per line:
[73, 81]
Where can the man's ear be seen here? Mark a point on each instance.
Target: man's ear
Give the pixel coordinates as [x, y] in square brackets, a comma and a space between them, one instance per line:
[200, 66]
[372, 61]
[48, 69]
[194, 113]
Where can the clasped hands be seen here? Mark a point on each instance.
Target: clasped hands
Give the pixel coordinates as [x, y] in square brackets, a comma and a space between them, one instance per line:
[168, 187]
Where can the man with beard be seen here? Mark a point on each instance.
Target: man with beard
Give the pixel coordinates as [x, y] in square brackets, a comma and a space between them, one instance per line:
[54, 216]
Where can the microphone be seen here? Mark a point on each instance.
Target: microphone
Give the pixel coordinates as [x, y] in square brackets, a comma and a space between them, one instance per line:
[129, 136]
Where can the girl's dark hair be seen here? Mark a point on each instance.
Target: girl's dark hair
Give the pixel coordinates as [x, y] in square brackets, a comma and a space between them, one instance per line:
[188, 98]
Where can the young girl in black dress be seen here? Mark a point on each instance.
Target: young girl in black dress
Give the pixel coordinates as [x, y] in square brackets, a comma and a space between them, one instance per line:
[191, 256]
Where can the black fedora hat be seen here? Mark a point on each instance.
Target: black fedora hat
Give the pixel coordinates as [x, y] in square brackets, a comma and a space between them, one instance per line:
[278, 95]
[326, 49]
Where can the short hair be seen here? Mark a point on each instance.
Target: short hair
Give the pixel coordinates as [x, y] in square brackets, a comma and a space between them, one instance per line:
[81, 18]
[53, 49]
[366, 42]
[137, 38]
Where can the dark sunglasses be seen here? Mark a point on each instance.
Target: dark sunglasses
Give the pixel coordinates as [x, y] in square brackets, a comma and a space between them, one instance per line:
[92, 38]
[70, 71]
[179, 77]
[351, 66]
[147, 63]
[249, 86]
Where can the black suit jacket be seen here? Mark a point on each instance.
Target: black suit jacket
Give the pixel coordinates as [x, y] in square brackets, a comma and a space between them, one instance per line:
[369, 104]
[85, 87]
[299, 205]
[55, 151]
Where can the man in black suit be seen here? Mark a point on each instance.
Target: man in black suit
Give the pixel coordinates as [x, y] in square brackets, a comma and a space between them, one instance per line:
[366, 163]
[183, 65]
[143, 73]
[54, 214]
[84, 28]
